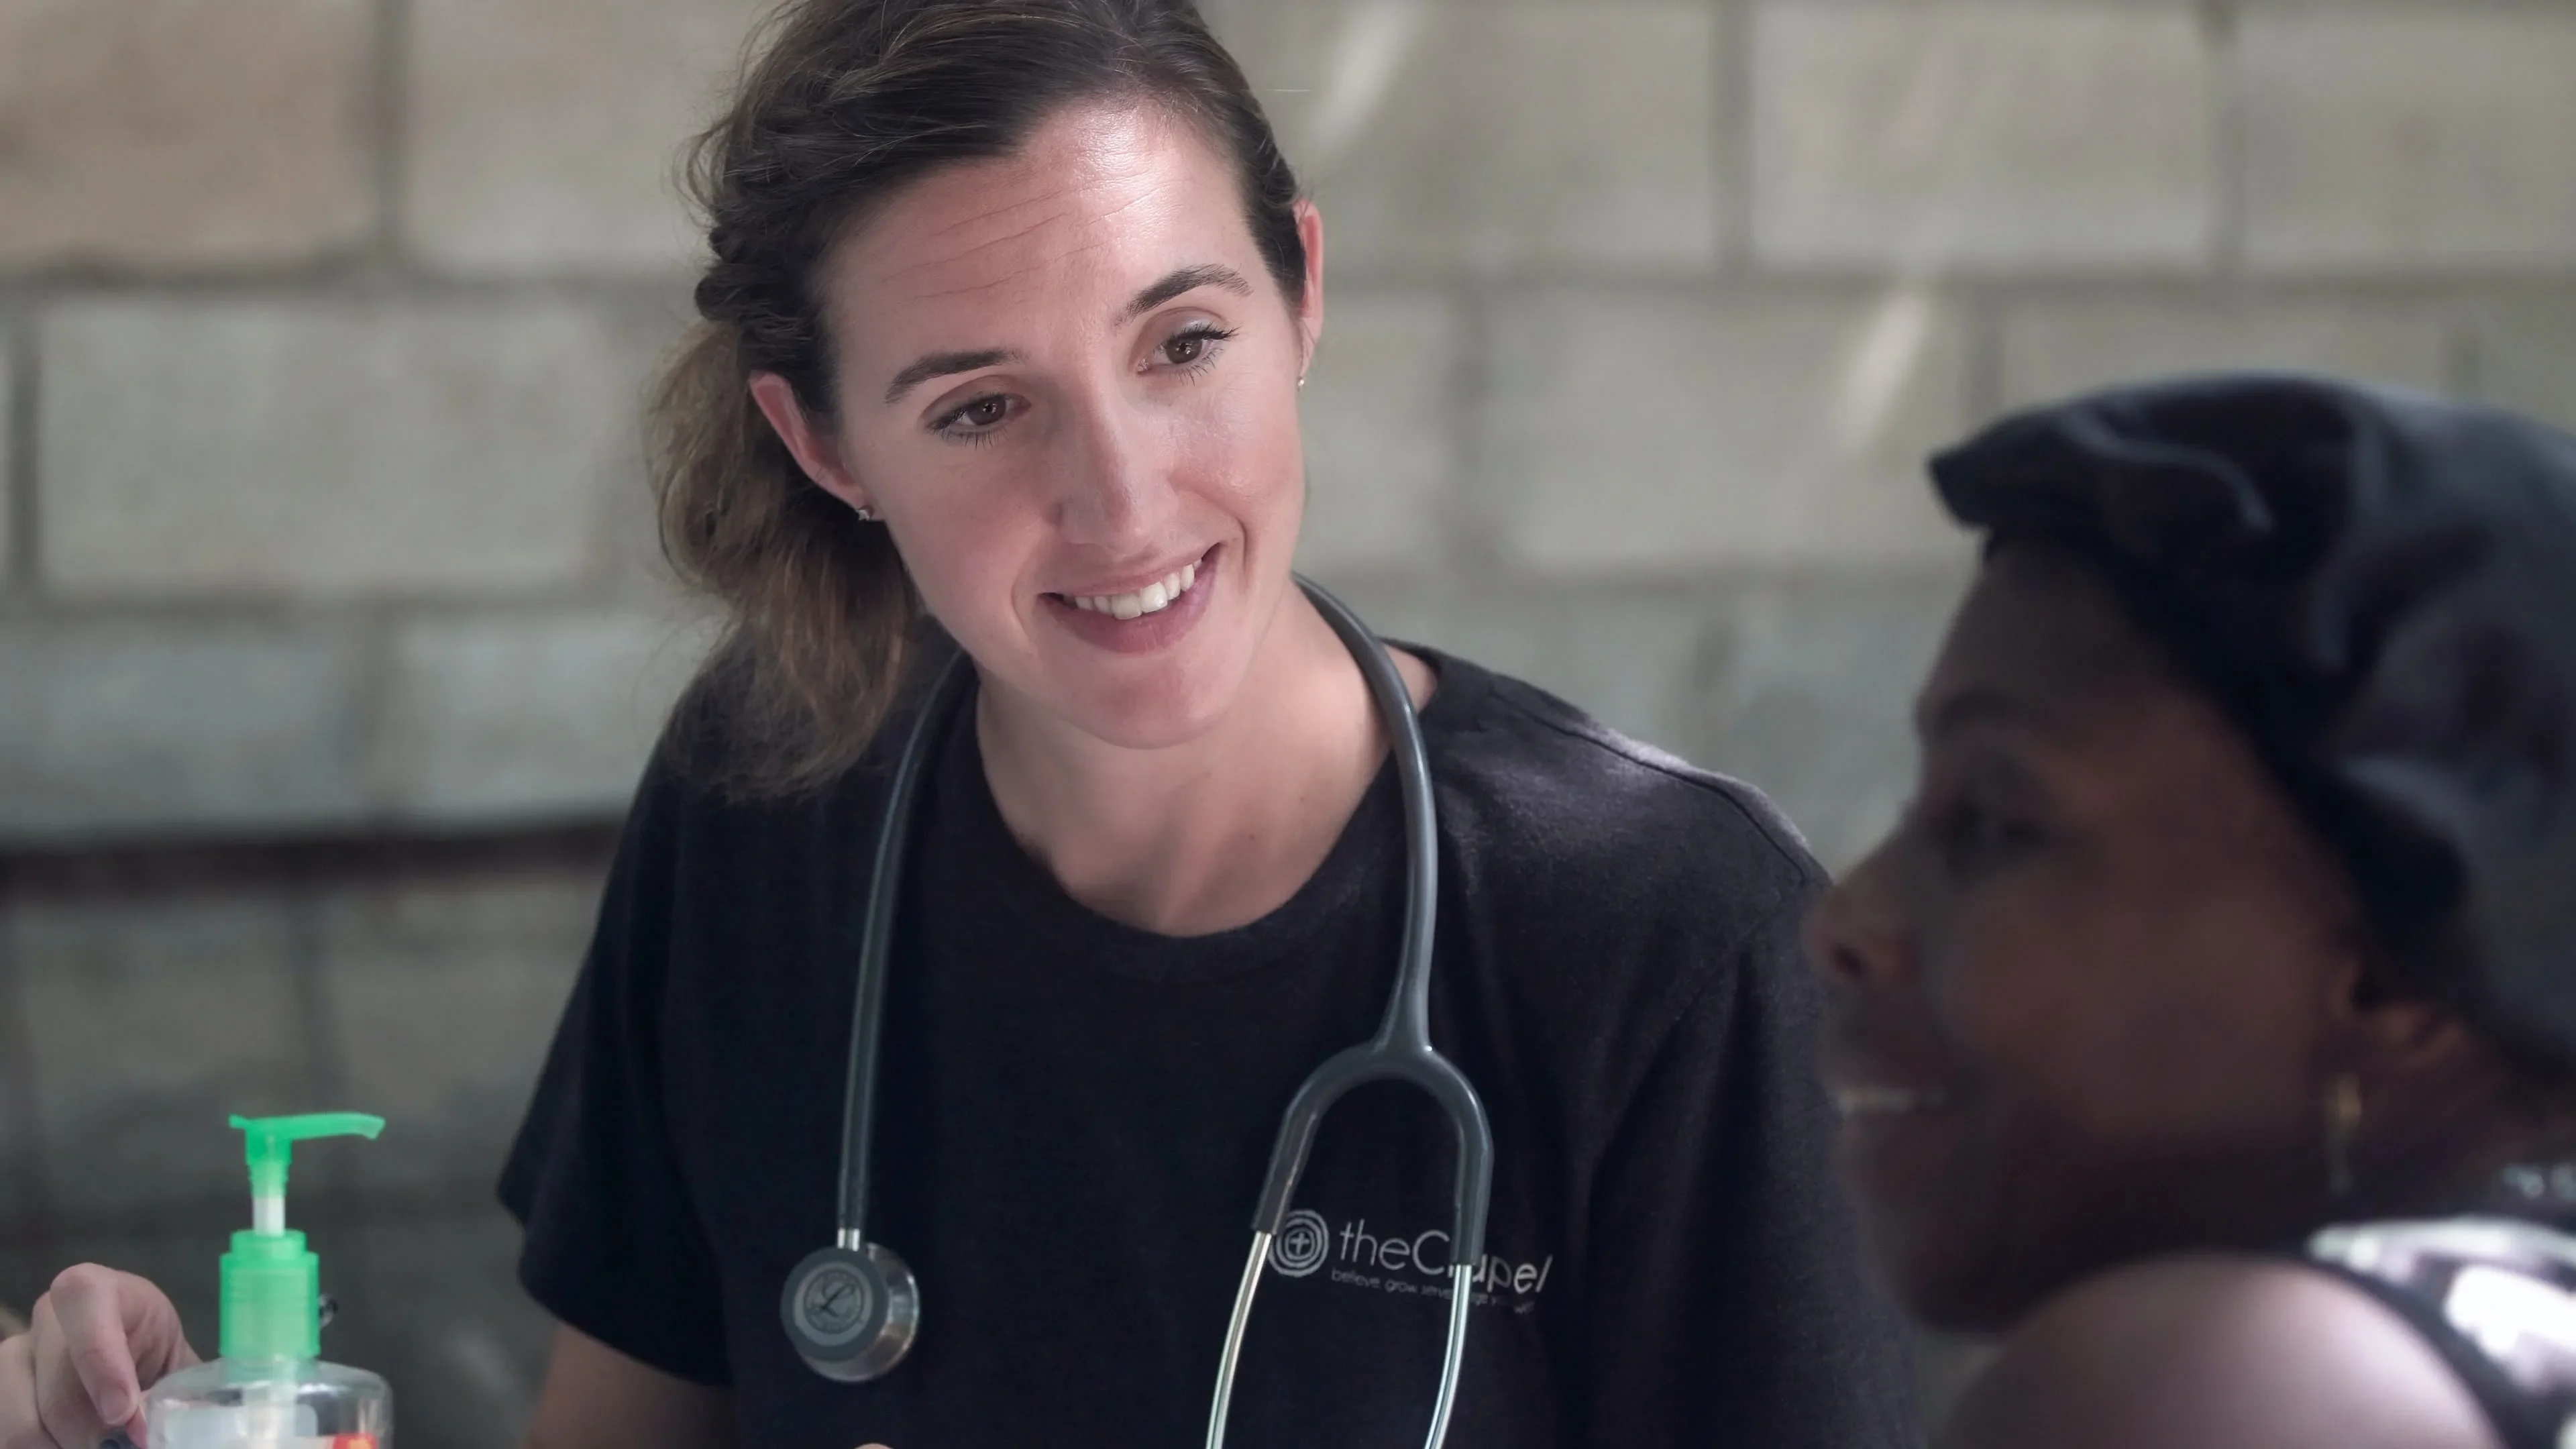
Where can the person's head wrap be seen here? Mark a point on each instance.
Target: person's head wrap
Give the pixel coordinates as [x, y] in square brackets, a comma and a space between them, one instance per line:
[2380, 589]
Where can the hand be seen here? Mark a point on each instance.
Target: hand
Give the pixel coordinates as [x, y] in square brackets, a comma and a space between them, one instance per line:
[94, 1343]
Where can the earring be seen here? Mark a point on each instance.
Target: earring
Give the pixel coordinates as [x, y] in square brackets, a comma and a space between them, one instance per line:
[2343, 1124]
[866, 514]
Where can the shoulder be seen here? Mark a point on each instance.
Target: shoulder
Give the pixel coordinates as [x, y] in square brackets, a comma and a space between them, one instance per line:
[2217, 1349]
[1543, 784]
[705, 842]
[709, 766]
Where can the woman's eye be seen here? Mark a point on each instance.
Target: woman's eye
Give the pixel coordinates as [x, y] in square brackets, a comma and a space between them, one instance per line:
[1970, 835]
[980, 416]
[1193, 346]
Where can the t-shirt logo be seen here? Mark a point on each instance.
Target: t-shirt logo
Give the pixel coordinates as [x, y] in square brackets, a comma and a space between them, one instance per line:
[1398, 1263]
[1302, 1244]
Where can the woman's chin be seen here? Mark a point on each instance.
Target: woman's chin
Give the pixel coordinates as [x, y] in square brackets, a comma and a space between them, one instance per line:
[1968, 1277]
[1157, 725]
[1141, 704]
[1948, 1268]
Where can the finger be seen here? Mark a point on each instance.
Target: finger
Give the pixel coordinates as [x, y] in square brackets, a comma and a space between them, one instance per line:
[108, 1319]
[63, 1404]
[154, 1341]
[135, 1329]
[19, 1426]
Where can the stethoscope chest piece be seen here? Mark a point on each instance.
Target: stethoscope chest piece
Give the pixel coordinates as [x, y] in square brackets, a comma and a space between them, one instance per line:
[852, 1314]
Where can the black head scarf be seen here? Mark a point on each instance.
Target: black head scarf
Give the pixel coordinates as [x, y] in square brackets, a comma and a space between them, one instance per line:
[2380, 588]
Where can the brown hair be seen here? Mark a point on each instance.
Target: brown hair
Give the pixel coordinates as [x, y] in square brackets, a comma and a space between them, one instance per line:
[846, 103]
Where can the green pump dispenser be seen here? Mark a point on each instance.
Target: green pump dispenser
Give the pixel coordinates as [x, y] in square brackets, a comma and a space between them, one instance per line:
[270, 1388]
[272, 1286]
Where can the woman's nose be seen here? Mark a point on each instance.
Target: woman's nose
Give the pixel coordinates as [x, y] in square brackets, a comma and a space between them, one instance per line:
[1856, 934]
[1114, 489]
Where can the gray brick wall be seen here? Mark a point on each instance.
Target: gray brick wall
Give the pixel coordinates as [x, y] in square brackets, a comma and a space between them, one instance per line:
[328, 356]
[1993, 135]
[2430, 136]
[323, 325]
[541, 137]
[166, 133]
[275, 449]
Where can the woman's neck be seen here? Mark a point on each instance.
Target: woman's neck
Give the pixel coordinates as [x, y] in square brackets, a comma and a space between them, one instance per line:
[1215, 833]
[2453, 1151]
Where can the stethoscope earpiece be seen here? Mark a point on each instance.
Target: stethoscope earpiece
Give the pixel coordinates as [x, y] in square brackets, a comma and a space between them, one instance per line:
[851, 1313]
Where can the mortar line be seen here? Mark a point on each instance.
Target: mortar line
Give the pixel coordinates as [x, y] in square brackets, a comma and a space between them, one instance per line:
[389, 125]
[2231, 194]
[18, 468]
[380, 769]
[2464, 349]
[1471, 511]
[19, 1090]
[1981, 315]
[1736, 157]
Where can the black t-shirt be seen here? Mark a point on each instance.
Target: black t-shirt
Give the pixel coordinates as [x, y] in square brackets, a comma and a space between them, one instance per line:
[1075, 1117]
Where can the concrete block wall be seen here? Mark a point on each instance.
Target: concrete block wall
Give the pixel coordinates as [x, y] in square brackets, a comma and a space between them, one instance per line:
[1701, 284]
[324, 326]
[323, 359]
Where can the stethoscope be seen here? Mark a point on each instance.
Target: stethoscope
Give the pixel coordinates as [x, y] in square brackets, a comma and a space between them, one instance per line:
[853, 1309]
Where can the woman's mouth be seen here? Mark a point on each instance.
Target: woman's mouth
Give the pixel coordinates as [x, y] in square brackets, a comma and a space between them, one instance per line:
[1154, 598]
[1142, 620]
[1854, 1102]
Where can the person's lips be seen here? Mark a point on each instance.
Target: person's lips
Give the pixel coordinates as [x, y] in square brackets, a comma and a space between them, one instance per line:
[1880, 1064]
[1887, 1101]
[1142, 613]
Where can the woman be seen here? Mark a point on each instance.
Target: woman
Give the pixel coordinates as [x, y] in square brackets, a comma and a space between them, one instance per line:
[1009, 305]
[2208, 1025]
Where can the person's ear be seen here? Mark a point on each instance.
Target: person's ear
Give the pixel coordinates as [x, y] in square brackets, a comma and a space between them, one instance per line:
[815, 450]
[1310, 309]
[2386, 1030]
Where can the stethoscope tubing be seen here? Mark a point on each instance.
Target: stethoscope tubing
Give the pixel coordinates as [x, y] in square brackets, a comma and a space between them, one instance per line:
[1400, 1051]
[876, 940]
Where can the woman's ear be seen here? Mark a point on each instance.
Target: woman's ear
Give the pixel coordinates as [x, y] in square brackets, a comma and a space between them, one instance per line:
[815, 451]
[2387, 1029]
[1310, 309]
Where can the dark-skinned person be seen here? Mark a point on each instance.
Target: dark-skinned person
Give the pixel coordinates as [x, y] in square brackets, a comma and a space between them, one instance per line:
[2207, 1027]
[1005, 313]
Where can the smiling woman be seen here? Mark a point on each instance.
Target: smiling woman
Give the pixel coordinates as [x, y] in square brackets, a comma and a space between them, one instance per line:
[2208, 1026]
[989, 445]
[841, 331]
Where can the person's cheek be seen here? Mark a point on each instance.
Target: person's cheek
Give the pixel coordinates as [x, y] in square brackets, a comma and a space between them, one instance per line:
[968, 532]
[2020, 995]
[1237, 451]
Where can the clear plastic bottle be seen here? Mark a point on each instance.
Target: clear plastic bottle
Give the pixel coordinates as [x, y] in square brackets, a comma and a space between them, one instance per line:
[270, 1389]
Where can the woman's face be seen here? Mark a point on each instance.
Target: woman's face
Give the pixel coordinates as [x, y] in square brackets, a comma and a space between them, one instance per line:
[1067, 381]
[2083, 996]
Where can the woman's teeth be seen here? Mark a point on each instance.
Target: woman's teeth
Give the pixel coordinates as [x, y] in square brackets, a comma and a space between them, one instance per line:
[1154, 598]
[1887, 1101]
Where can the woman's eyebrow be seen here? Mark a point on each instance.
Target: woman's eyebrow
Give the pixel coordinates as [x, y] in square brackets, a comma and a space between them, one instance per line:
[941, 364]
[1183, 280]
[1179, 282]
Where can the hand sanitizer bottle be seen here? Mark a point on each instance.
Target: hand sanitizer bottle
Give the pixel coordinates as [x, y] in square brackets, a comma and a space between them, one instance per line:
[270, 1390]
